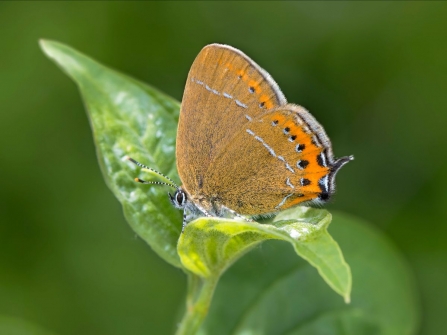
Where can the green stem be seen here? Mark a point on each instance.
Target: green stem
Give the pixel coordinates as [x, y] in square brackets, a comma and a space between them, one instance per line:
[198, 300]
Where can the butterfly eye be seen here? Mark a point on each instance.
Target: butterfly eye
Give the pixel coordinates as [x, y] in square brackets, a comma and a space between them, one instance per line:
[180, 198]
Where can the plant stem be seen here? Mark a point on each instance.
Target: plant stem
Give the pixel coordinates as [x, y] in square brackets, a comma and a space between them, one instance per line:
[198, 300]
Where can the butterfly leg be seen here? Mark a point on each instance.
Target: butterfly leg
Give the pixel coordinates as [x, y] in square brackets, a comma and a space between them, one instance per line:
[192, 212]
[185, 221]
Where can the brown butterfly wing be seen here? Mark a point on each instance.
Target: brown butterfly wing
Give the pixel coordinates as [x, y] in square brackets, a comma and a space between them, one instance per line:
[224, 91]
[279, 159]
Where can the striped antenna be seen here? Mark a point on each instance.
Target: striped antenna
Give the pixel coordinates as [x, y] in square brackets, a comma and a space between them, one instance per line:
[152, 182]
[145, 168]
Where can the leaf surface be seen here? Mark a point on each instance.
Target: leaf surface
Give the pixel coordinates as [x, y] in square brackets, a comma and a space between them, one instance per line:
[268, 291]
[209, 246]
[129, 118]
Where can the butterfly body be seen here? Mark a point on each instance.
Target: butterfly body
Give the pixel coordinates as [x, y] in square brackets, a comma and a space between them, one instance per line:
[241, 148]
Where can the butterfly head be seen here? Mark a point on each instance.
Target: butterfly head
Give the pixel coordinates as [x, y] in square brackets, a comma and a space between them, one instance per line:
[179, 199]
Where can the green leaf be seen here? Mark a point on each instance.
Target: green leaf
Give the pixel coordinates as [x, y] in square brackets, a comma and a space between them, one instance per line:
[268, 291]
[129, 118]
[209, 246]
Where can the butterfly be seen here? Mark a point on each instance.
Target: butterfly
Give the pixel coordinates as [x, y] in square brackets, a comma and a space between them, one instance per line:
[242, 149]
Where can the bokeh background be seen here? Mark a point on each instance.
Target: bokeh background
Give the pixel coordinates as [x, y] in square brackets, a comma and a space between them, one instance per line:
[373, 73]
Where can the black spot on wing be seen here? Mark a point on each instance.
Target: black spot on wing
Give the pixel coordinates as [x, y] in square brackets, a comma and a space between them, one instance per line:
[300, 147]
[302, 164]
[305, 182]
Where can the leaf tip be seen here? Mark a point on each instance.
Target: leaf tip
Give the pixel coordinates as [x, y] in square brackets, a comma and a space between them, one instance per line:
[71, 61]
[42, 42]
[52, 49]
[347, 299]
[45, 45]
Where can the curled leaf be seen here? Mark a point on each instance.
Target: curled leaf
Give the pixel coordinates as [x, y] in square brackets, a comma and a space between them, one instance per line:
[280, 294]
[209, 246]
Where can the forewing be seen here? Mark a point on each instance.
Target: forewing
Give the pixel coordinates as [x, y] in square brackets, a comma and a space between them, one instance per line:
[225, 90]
[279, 159]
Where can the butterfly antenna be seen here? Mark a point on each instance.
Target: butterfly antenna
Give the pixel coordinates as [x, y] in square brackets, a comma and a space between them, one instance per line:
[152, 182]
[147, 168]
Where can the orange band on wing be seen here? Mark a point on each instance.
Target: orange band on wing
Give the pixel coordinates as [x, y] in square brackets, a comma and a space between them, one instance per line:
[264, 99]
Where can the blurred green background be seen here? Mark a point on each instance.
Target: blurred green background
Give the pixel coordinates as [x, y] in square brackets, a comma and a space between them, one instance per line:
[373, 73]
